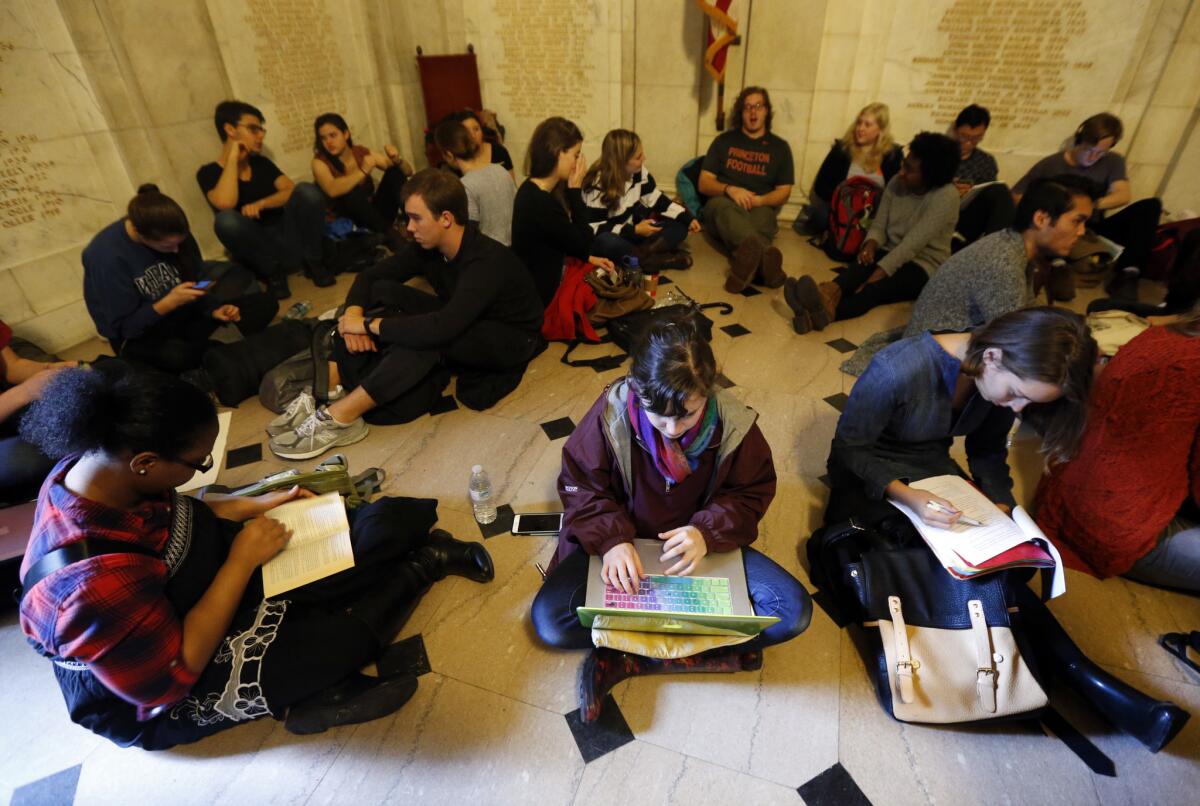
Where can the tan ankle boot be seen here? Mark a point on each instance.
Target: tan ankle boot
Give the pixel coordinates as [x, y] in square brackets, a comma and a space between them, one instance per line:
[831, 295]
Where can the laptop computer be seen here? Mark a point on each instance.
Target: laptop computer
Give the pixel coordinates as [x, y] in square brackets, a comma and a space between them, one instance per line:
[713, 600]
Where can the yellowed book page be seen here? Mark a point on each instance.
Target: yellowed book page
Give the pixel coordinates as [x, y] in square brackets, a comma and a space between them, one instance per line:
[320, 544]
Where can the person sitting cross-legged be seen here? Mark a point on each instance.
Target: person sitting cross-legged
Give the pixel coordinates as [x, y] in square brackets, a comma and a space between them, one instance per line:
[398, 343]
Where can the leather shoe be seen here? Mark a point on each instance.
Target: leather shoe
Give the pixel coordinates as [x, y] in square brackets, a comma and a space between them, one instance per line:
[443, 555]
[356, 699]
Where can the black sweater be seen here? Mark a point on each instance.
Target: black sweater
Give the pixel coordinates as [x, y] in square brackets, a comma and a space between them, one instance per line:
[484, 282]
[837, 164]
[543, 235]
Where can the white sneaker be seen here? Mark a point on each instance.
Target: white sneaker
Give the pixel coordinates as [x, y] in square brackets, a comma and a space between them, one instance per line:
[318, 433]
[297, 412]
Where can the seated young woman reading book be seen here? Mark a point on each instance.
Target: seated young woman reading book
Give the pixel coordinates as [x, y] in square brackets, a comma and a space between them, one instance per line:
[171, 639]
[664, 454]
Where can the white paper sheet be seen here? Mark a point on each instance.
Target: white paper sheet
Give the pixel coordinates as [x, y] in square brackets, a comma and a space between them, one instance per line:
[199, 479]
[319, 547]
[975, 544]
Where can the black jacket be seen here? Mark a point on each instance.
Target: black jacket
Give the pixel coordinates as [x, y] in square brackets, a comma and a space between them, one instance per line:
[837, 164]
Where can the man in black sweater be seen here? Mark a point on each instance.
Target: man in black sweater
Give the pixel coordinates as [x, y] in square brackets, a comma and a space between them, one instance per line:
[398, 342]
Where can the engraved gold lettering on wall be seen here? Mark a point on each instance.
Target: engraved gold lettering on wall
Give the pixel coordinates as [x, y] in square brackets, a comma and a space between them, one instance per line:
[1008, 55]
[299, 63]
[546, 63]
[24, 179]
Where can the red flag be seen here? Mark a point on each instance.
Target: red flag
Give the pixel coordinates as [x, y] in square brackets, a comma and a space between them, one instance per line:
[722, 30]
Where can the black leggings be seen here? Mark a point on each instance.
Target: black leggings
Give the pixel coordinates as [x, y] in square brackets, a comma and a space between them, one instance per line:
[990, 211]
[903, 285]
[374, 211]
[1132, 227]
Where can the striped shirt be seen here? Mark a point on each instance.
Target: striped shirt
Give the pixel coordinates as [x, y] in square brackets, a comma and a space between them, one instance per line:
[641, 200]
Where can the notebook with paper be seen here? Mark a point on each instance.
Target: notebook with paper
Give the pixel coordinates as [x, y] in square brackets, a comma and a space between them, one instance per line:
[713, 600]
[1001, 541]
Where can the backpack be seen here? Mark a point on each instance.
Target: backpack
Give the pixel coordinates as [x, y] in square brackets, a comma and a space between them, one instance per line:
[1167, 244]
[851, 211]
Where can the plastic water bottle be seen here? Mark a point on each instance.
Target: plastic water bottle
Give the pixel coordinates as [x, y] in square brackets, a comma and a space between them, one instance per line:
[633, 269]
[481, 495]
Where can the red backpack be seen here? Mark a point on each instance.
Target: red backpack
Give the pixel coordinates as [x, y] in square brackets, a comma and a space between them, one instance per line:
[1167, 242]
[851, 209]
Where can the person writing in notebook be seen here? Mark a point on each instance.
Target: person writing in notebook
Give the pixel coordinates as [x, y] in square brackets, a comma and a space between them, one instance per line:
[919, 393]
[161, 635]
[664, 454]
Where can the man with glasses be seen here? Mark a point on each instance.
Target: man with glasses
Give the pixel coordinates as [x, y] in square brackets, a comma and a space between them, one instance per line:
[748, 174]
[1090, 155]
[986, 205]
[265, 220]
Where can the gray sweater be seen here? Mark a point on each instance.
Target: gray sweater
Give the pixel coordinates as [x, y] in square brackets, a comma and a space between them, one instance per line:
[490, 193]
[915, 227]
[986, 279]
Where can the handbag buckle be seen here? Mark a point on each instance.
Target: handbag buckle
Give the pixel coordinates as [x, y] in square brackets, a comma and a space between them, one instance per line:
[913, 664]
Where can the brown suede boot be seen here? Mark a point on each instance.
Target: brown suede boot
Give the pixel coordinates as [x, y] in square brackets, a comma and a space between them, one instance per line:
[604, 668]
[831, 295]
[744, 264]
[804, 294]
[772, 267]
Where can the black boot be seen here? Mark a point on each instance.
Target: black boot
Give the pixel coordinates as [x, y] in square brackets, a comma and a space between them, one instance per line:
[444, 555]
[1152, 722]
[386, 609]
[356, 699]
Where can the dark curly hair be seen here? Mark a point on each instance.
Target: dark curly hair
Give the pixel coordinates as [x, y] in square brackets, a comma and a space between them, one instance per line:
[113, 408]
[939, 157]
[672, 362]
[735, 116]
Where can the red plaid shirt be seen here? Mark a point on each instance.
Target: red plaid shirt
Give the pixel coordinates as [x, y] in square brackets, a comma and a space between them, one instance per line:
[111, 611]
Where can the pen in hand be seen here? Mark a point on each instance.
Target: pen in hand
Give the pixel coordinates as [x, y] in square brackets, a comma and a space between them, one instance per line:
[934, 505]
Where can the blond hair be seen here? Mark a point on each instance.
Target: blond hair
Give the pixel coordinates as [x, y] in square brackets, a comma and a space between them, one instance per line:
[870, 157]
[607, 174]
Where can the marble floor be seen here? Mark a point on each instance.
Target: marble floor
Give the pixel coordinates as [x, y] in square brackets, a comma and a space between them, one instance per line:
[492, 721]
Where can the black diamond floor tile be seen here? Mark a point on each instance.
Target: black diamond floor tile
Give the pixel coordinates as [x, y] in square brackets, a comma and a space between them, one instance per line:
[444, 404]
[606, 734]
[53, 790]
[834, 787]
[838, 401]
[842, 345]
[502, 524]
[724, 382]
[749, 291]
[735, 330]
[664, 280]
[407, 657]
[824, 479]
[557, 429]
[245, 455]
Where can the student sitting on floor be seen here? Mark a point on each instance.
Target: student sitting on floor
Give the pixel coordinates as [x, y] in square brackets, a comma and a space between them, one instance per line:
[627, 211]
[140, 279]
[268, 223]
[490, 188]
[1126, 502]
[549, 221]
[664, 453]
[989, 209]
[343, 172]
[398, 343]
[159, 634]
[1090, 155]
[22, 466]
[992, 276]
[491, 148]
[866, 149]
[748, 174]
[908, 240]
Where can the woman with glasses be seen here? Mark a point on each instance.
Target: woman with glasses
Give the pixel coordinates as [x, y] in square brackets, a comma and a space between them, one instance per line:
[1091, 155]
[150, 604]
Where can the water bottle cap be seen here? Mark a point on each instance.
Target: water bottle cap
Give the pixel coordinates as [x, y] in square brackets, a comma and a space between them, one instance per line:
[477, 469]
[631, 262]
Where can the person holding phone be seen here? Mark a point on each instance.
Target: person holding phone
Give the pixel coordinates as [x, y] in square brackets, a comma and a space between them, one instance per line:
[664, 453]
[171, 640]
[143, 289]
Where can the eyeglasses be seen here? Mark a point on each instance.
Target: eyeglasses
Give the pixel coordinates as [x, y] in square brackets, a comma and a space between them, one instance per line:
[206, 466]
[253, 128]
[755, 107]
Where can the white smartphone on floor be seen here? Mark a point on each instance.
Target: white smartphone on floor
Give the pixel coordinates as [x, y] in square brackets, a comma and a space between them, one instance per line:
[537, 523]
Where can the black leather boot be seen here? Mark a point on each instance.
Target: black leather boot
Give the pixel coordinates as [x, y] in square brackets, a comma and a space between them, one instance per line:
[387, 608]
[444, 555]
[356, 699]
[1152, 722]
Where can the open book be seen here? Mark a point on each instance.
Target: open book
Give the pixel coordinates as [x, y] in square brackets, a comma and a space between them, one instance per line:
[1001, 542]
[320, 544]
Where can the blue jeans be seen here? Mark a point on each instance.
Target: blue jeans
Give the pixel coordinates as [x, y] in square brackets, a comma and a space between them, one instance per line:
[773, 591]
[1175, 561]
[614, 247]
[280, 242]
